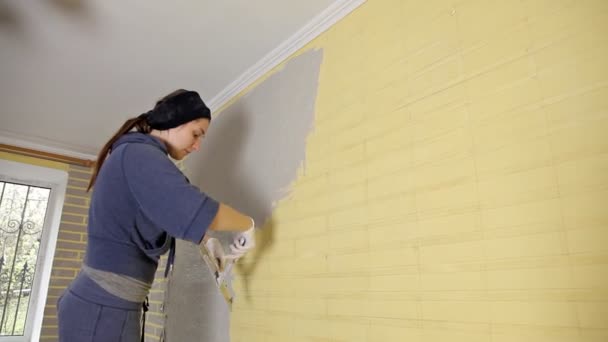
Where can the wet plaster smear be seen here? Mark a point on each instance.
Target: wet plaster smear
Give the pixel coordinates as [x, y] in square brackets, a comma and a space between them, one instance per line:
[249, 159]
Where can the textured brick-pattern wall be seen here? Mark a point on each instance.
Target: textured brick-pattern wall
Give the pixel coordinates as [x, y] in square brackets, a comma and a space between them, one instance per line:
[455, 184]
[71, 243]
[155, 319]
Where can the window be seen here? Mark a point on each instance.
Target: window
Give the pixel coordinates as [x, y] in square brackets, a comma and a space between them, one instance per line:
[31, 200]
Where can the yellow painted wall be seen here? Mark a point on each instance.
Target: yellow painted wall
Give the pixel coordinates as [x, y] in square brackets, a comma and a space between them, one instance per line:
[455, 186]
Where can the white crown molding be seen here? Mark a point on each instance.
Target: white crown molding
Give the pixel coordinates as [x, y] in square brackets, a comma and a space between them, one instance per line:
[43, 145]
[332, 14]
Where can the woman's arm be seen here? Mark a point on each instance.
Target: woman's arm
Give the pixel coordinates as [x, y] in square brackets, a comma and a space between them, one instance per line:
[229, 219]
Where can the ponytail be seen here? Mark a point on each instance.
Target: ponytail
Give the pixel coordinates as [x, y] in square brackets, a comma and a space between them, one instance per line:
[140, 123]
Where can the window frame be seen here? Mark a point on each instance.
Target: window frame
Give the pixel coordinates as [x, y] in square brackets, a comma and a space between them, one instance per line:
[57, 181]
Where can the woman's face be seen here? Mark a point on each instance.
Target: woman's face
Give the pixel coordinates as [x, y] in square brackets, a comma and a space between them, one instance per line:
[185, 139]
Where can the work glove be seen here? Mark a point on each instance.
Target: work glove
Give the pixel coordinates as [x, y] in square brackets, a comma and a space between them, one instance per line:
[243, 242]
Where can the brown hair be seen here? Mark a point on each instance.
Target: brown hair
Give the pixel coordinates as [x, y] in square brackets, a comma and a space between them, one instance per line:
[140, 123]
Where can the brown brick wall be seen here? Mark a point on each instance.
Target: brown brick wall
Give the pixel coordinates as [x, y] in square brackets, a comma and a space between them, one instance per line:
[155, 319]
[71, 243]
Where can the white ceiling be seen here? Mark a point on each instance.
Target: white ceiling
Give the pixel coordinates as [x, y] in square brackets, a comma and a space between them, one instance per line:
[71, 71]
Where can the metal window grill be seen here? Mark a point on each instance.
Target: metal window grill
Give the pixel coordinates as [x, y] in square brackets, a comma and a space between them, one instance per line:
[22, 212]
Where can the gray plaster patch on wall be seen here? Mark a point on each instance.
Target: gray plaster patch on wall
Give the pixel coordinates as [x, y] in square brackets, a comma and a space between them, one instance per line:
[195, 309]
[249, 159]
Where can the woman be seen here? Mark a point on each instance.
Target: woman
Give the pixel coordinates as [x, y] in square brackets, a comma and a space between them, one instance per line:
[140, 202]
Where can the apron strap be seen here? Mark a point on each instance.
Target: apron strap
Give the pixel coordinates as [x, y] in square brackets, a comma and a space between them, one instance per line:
[145, 305]
[170, 258]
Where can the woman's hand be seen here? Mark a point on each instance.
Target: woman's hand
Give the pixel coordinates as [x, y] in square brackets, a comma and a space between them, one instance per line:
[243, 242]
